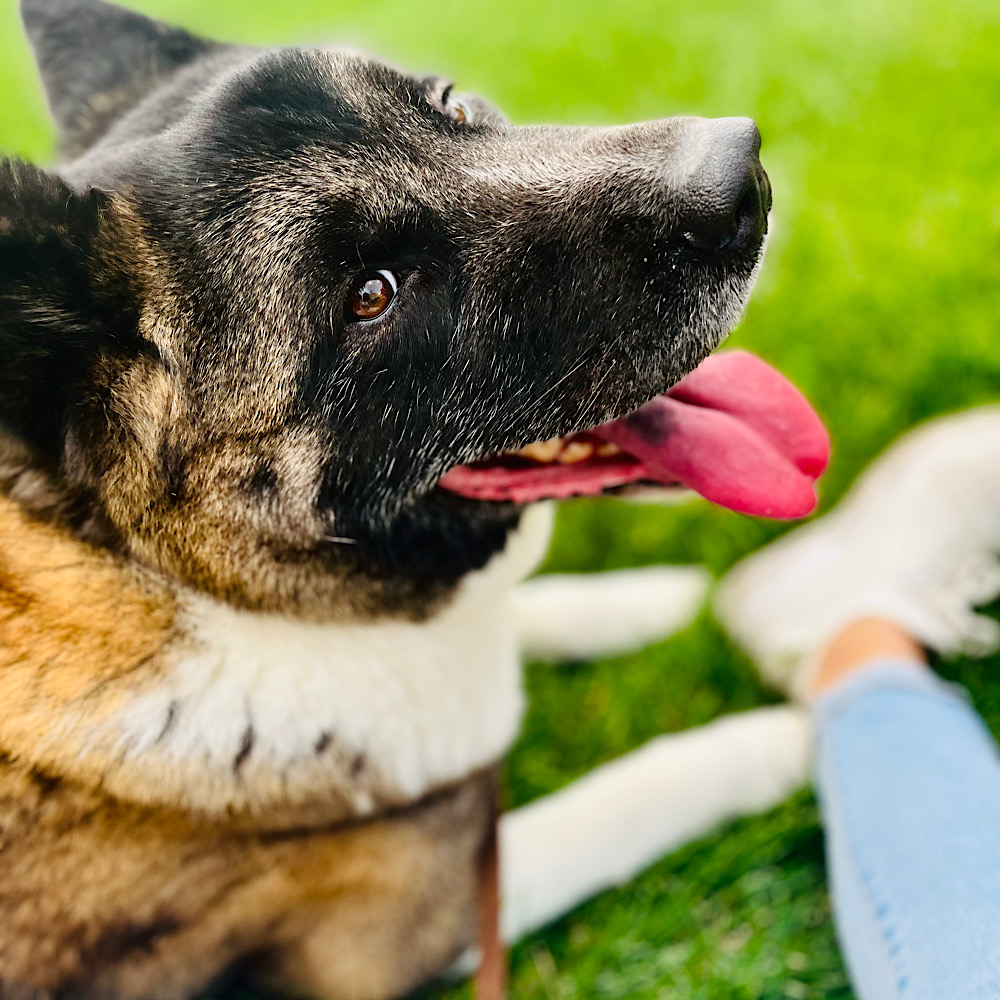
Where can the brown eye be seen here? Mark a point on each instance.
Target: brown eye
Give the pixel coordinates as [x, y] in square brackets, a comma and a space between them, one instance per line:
[455, 109]
[372, 294]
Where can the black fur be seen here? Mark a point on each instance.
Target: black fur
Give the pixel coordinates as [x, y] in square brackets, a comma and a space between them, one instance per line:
[198, 256]
[51, 329]
[123, 940]
[88, 49]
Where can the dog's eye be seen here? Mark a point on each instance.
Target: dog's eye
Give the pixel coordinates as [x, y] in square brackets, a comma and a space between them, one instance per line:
[454, 108]
[457, 110]
[372, 294]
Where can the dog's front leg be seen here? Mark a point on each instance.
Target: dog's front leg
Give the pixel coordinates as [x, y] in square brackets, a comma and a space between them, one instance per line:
[586, 616]
[608, 826]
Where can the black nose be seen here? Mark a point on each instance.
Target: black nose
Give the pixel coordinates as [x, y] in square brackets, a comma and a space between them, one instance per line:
[727, 195]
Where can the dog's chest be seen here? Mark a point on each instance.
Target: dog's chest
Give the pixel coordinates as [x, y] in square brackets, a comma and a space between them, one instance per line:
[257, 711]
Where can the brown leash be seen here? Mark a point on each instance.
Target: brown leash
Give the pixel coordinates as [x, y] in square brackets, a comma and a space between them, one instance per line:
[491, 978]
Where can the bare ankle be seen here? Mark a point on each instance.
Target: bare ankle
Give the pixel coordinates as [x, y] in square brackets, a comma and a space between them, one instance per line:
[858, 645]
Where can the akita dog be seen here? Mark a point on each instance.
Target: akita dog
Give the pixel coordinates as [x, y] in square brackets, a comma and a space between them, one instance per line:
[289, 343]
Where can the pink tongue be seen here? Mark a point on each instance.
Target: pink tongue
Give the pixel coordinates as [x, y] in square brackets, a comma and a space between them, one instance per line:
[734, 430]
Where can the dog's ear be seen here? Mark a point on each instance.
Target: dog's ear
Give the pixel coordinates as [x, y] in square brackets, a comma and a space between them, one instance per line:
[97, 60]
[57, 314]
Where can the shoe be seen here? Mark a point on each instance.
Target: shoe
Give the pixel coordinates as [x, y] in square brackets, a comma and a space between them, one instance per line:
[914, 541]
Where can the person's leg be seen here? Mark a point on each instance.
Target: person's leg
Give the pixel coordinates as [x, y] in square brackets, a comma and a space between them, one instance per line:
[908, 776]
[909, 781]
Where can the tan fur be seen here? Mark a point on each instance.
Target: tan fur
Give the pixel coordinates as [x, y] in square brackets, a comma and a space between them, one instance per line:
[75, 625]
[109, 898]
[100, 898]
[104, 896]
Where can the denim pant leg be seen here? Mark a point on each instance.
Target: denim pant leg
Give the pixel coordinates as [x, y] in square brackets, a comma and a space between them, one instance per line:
[909, 782]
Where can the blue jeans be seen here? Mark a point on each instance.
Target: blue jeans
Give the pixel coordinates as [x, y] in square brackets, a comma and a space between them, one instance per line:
[909, 781]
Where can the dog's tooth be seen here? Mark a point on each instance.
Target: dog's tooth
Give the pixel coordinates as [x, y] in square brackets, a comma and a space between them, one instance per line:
[542, 451]
[576, 451]
[607, 449]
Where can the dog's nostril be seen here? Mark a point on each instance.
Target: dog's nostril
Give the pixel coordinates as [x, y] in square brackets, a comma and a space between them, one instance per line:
[728, 196]
[734, 222]
[749, 208]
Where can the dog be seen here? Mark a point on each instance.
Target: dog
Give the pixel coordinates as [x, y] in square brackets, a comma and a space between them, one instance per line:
[292, 348]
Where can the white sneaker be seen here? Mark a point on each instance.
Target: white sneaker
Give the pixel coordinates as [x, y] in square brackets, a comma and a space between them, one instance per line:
[914, 542]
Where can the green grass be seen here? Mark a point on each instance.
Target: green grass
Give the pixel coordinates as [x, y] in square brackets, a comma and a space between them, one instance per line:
[881, 297]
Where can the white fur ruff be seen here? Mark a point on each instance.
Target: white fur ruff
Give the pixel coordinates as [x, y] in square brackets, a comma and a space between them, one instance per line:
[423, 703]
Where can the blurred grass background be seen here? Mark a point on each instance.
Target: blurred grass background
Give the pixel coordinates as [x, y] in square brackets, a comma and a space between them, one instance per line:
[880, 297]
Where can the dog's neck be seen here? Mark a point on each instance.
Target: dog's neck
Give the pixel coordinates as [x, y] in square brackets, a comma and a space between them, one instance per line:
[258, 715]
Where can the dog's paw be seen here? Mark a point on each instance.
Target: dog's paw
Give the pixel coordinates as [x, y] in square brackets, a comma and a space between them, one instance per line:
[586, 616]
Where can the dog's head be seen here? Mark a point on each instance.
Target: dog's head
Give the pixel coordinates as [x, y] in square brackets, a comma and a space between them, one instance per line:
[274, 297]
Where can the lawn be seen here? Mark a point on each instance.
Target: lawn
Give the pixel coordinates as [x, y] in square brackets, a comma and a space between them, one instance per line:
[880, 297]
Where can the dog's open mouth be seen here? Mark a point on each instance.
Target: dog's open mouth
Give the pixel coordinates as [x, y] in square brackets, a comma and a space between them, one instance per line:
[734, 430]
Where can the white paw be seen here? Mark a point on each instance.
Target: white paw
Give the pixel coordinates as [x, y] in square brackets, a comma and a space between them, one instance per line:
[607, 826]
[587, 616]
